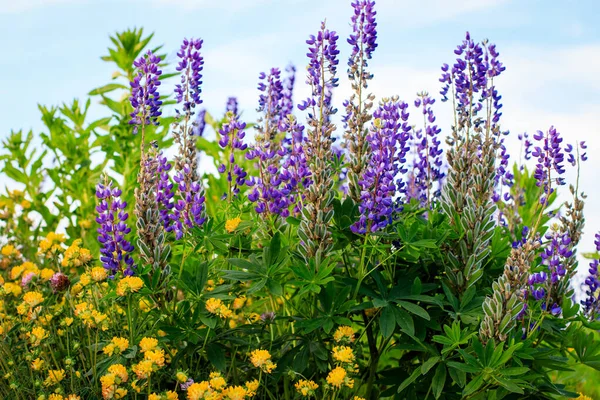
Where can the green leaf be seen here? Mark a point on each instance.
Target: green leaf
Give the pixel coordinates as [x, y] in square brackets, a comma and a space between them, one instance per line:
[439, 380]
[244, 264]
[473, 386]
[405, 321]
[514, 371]
[387, 322]
[107, 88]
[428, 364]
[415, 309]
[508, 385]
[216, 355]
[408, 381]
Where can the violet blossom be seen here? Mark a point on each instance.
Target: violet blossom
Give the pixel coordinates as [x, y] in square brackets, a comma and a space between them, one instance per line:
[189, 208]
[232, 141]
[115, 252]
[427, 165]
[388, 138]
[145, 98]
[591, 304]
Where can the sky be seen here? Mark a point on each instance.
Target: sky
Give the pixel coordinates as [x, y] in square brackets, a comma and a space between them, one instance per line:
[551, 50]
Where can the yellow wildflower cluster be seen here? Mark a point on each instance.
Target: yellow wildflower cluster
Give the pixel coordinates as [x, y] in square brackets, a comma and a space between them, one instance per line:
[344, 358]
[154, 358]
[57, 396]
[75, 255]
[306, 387]
[37, 364]
[129, 284]
[148, 344]
[13, 289]
[344, 334]
[211, 284]
[117, 345]
[52, 245]
[343, 355]
[216, 388]
[98, 274]
[117, 374]
[239, 302]
[168, 395]
[91, 317]
[583, 397]
[10, 251]
[46, 274]
[33, 298]
[55, 376]
[262, 359]
[23, 270]
[338, 377]
[232, 224]
[36, 335]
[216, 306]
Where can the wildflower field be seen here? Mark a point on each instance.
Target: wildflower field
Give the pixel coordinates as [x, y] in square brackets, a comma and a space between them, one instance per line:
[163, 253]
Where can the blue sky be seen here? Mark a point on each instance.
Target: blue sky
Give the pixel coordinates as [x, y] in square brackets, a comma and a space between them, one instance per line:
[551, 49]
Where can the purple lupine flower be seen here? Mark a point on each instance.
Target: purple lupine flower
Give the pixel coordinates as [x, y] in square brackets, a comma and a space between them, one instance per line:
[232, 141]
[314, 233]
[190, 64]
[524, 235]
[270, 101]
[287, 103]
[427, 165]
[200, 123]
[323, 61]
[583, 146]
[388, 139]
[145, 98]
[471, 80]
[543, 285]
[522, 313]
[526, 146]
[115, 253]
[364, 34]
[265, 192]
[591, 304]
[294, 172]
[231, 105]
[363, 41]
[503, 177]
[164, 190]
[189, 208]
[550, 157]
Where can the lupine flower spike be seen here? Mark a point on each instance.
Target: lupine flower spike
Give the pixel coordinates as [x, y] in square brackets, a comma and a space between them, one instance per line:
[154, 193]
[427, 164]
[363, 41]
[266, 151]
[115, 252]
[232, 141]
[145, 98]
[189, 208]
[317, 211]
[388, 141]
